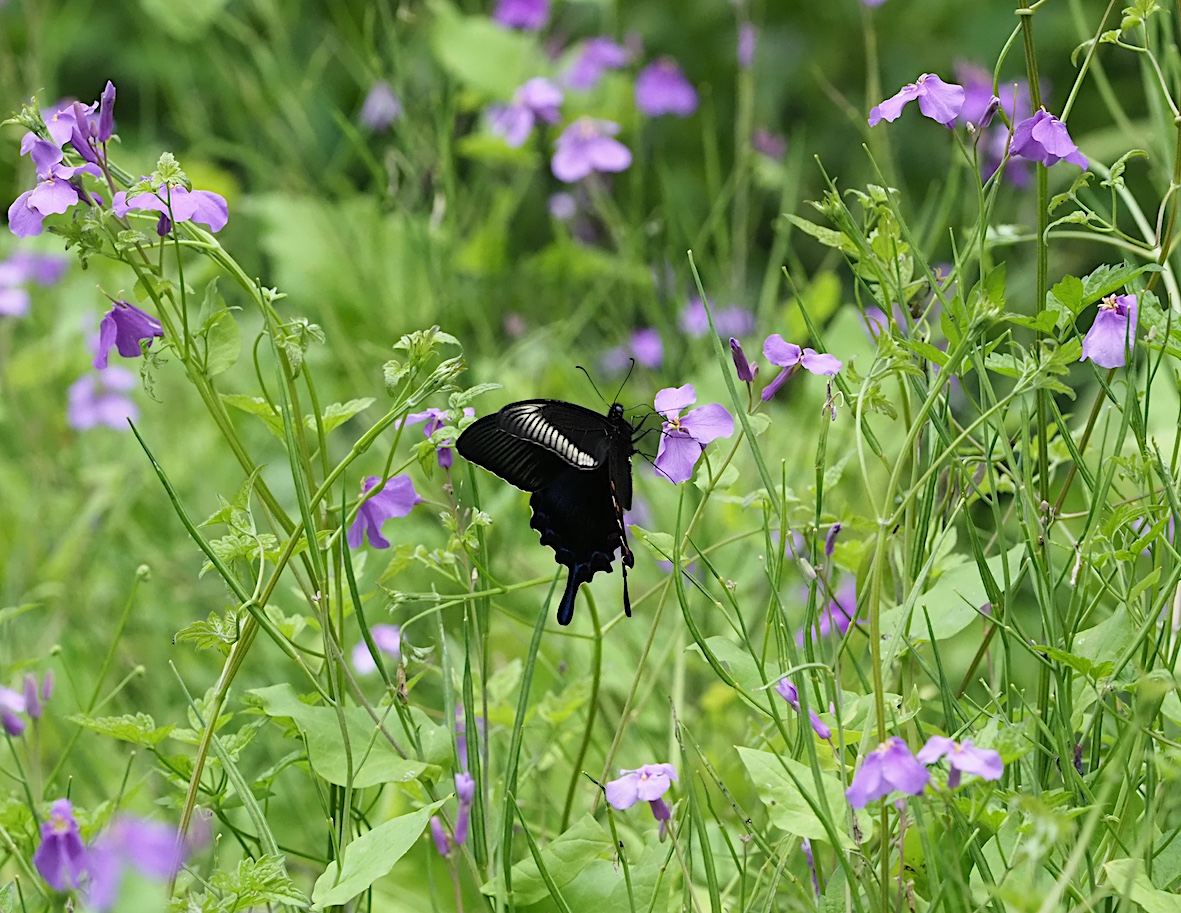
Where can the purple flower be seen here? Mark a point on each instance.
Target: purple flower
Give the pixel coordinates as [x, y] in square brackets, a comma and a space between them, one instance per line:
[123, 326]
[202, 206]
[963, 757]
[22, 267]
[396, 497]
[747, 40]
[465, 792]
[786, 690]
[387, 639]
[838, 615]
[61, 857]
[588, 145]
[436, 419]
[1043, 138]
[806, 844]
[647, 783]
[90, 133]
[830, 541]
[769, 144]
[32, 697]
[12, 703]
[529, 15]
[661, 88]
[106, 113]
[888, 767]
[380, 108]
[730, 320]
[56, 191]
[562, 206]
[1113, 334]
[647, 347]
[596, 56]
[791, 358]
[683, 438]
[937, 99]
[979, 101]
[98, 399]
[536, 100]
[746, 373]
[439, 835]
[149, 847]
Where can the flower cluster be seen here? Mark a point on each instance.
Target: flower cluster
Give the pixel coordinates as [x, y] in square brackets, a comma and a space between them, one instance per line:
[436, 419]
[20, 269]
[891, 767]
[787, 356]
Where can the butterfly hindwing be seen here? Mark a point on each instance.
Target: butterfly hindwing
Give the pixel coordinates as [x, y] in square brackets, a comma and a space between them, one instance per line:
[577, 465]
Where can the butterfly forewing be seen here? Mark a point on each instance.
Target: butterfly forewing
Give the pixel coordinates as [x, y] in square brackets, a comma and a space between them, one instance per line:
[518, 461]
[579, 437]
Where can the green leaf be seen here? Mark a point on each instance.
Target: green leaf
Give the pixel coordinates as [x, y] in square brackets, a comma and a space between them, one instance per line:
[825, 236]
[481, 55]
[8, 899]
[786, 804]
[257, 883]
[375, 761]
[1107, 279]
[1069, 292]
[1128, 879]
[369, 857]
[218, 632]
[564, 859]
[256, 405]
[337, 414]
[1044, 322]
[139, 729]
[602, 888]
[1080, 664]
[738, 663]
[219, 331]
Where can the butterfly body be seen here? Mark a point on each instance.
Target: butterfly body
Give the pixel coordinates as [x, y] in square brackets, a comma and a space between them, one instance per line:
[576, 465]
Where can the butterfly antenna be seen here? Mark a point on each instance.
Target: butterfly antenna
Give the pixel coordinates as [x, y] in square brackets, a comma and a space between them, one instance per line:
[626, 378]
[592, 381]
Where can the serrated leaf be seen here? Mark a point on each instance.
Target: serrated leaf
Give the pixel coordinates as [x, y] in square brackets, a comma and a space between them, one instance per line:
[564, 859]
[465, 397]
[220, 334]
[1044, 322]
[217, 632]
[139, 729]
[1108, 279]
[337, 414]
[257, 883]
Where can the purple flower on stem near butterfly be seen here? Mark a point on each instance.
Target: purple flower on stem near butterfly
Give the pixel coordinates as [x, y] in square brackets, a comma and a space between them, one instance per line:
[683, 438]
[100, 399]
[123, 327]
[18, 270]
[888, 767]
[595, 57]
[149, 847]
[586, 146]
[61, 857]
[537, 100]
[1043, 138]
[963, 758]
[647, 783]
[12, 703]
[436, 419]
[1113, 334]
[661, 88]
[791, 358]
[387, 639]
[396, 497]
[938, 100]
[380, 108]
[56, 192]
[176, 204]
[529, 15]
[465, 792]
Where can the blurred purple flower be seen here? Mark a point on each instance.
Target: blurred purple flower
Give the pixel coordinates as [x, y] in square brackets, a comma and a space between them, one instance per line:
[769, 144]
[395, 498]
[963, 757]
[791, 358]
[439, 835]
[33, 705]
[747, 41]
[730, 320]
[529, 15]
[806, 844]
[123, 326]
[436, 419]
[937, 99]
[149, 847]
[586, 146]
[743, 368]
[830, 541]
[838, 615]
[1113, 334]
[61, 857]
[647, 783]
[22, 267]
[683, 438]
[888, 767]
[789, 692]
[387, 639]
[645, 346]
[536, 100]
[98, 399]
[661, 88]
[202, 206]
[1043, 138]
[562, 206]
[461, 734]
[11, 704]
[595, 56]
[465, 792]
[380, 108]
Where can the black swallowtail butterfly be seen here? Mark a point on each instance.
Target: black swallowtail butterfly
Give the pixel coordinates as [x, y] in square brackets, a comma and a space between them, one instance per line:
[576, 464]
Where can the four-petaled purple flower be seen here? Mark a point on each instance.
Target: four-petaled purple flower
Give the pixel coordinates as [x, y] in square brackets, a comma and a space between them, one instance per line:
[151, 848]
[1043, 138]
[123, 326]
[465, 792]
[57, 189]
[99, 399]
[11, 704]
[387, 639]
[888, 767]
[596, 56]
[588, 145]
[647, 783]
[536, 100]
[661, 88]
[963, 757]
[938, 100]
[22, 267]
[177, 204]
[380, 108]
[1113, 334]
[791, 358]
[683, 438]
[436, 419]
[529, 15]
[395, 497]
[61, 857]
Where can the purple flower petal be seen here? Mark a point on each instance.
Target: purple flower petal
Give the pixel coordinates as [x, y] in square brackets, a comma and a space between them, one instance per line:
[671, 400]
[529, 15]
[937, 99]
[396, 498]
[819, 364]
[23, 220]
[380, 108]
[1113, 333]
[661, 88]
[708, 423]
[676, 456]
[780, 352]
